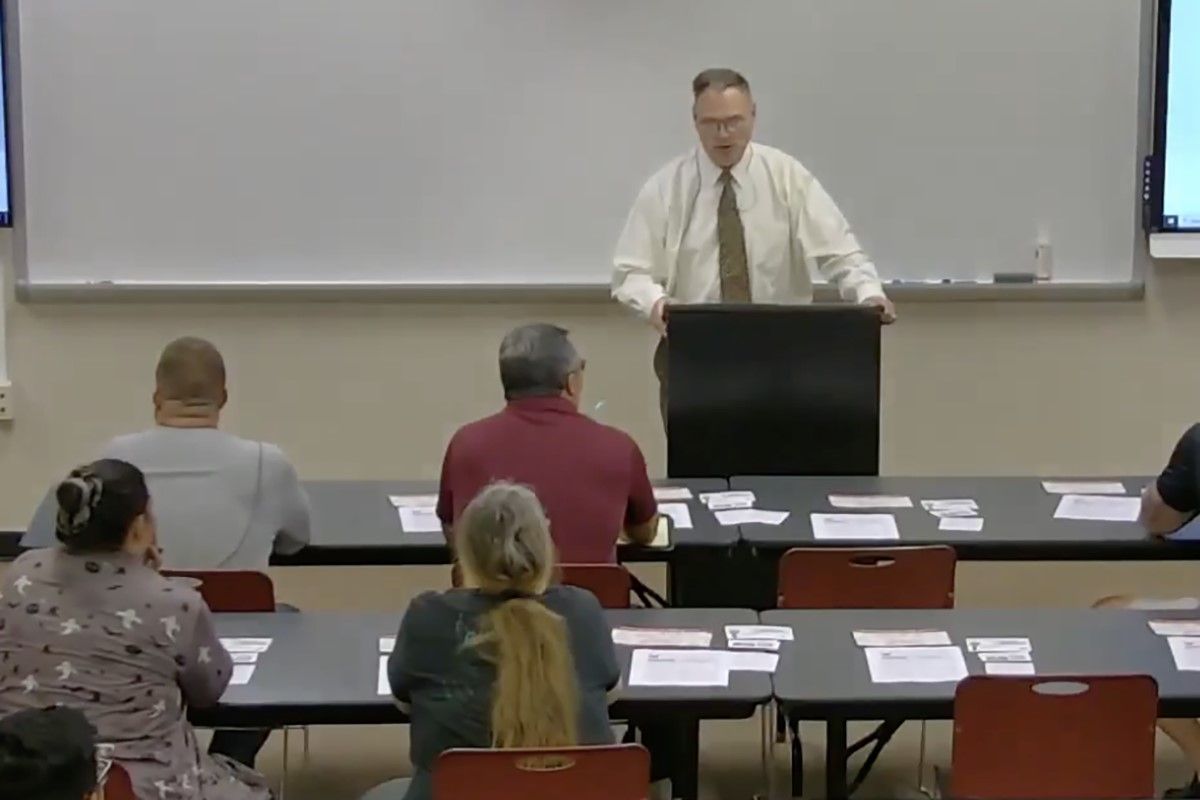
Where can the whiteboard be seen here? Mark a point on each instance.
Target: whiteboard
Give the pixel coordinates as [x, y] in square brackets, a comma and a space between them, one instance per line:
[477, 142]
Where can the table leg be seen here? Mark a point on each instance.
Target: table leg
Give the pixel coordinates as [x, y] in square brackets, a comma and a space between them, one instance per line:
[686, 783]
[835, 759]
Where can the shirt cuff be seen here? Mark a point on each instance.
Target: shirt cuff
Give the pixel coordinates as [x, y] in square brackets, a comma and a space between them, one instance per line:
[868, 290]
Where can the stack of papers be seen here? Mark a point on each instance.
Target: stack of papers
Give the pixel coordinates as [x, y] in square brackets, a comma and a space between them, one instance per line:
[912, 638]
[661, 637]
[1083, 487]
[664, 493]
[245, 652]
[386, 645]
[916, 664]
[911, 656]
[694, 667]
[1098, 508]
[1012, 655]
[750, 516]
[1186, 652]
[418, 512]
[762, 636]
[951, 508]
[862, 501]
[1175, 627]
[855, 526]
[679, 513]
[722, 501]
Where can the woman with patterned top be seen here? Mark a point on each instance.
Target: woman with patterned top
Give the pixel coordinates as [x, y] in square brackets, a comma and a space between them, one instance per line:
[92, 625]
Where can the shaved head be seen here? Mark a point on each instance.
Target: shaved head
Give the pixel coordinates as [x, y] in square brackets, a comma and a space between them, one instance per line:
[191, 373]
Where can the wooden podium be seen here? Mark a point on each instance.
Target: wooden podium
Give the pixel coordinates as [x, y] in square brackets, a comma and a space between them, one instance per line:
[773, 390]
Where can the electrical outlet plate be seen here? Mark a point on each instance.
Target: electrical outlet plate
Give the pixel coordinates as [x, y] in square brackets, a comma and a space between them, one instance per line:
[6, 401]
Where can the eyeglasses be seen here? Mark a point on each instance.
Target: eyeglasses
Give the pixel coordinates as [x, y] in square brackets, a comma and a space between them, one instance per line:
[728, 125]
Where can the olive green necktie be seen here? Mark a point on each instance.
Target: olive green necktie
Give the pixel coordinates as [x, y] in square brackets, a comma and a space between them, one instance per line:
[731, 243]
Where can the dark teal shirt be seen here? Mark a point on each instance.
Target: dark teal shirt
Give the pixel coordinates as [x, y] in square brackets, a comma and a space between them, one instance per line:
[448, 684]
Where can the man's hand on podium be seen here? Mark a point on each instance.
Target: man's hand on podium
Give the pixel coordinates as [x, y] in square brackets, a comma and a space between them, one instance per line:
[887, 311]
[658, 316]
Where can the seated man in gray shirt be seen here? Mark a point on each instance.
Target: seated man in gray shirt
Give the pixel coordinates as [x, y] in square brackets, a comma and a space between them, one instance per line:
[221, 502]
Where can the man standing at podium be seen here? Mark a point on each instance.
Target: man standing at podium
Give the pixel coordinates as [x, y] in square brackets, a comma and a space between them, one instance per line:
[734, 221]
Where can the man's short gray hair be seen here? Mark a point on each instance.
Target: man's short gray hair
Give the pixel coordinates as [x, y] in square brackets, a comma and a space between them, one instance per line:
[535, 361]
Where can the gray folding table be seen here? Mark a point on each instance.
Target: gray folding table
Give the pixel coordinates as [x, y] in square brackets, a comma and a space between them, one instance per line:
[323, 668]
[823, 674]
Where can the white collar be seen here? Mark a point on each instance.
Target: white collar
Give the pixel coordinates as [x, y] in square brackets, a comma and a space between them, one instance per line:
[710, 173]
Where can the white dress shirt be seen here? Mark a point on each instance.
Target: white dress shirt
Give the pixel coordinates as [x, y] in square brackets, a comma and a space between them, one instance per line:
[669, 245]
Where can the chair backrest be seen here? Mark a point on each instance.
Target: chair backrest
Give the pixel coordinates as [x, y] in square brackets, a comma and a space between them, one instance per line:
[610, 583]
[1054, 737]
[118, 786]
[611, 772]
[851, 577]
[231, 591]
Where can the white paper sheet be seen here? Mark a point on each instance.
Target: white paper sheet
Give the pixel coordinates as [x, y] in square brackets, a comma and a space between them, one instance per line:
[751, 661]
[1083, 487]
[849, 527]
[1186, 652]
[678, 668]
[661, 637]
[419, 520]
[242, 673]
[413, 500]
[387, 644]
[861, 501]
[949, 505]
[909, 638]
[777, 632]
[665, 493]
[750, 516]
[1098, 508]
[969, 524]
[754, 644]
[679, 513]
[1009, 668]
[997, 644]
[247, 645]
[916, 664]
[244, 657]
[720, 501]
[1015, 655]
[1175, 627]
[383, 685]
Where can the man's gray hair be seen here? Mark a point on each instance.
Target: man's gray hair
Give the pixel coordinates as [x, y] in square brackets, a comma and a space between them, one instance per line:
[535, 361]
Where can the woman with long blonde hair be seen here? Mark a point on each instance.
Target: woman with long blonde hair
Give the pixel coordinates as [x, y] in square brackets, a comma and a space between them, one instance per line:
[509, 660]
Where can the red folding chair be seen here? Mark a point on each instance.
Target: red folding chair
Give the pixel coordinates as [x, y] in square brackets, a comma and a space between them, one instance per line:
[611, 583]
[610, 772]
[231, 591]
[1052, 738]
[852, 577]
[118, 785]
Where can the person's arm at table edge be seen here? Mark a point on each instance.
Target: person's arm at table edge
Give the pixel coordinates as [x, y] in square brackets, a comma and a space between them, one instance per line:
[207, 667]
[1170, 502]
[295, 530]
[641, 510]
[445, 501]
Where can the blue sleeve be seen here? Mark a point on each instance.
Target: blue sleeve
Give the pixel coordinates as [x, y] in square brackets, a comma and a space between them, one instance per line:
[1179, 483]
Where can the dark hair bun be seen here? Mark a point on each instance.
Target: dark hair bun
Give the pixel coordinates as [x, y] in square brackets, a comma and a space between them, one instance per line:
[70, 496]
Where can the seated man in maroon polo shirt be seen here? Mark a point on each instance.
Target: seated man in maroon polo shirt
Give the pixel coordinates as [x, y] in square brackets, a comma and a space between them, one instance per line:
[590, 478]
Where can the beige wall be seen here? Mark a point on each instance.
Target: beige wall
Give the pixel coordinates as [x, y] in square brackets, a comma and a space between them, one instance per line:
[374, 390]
